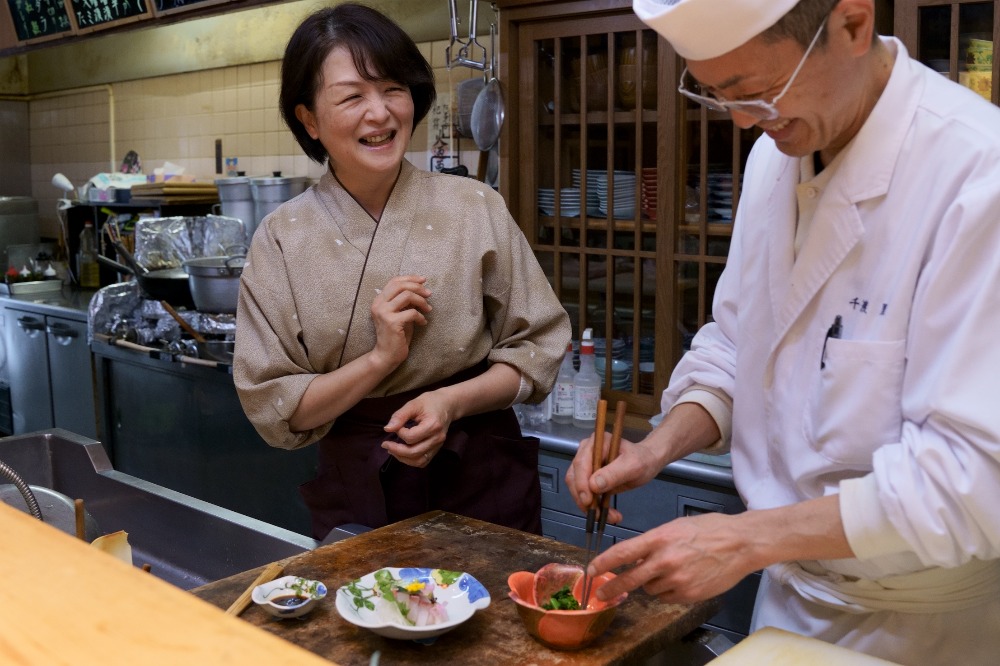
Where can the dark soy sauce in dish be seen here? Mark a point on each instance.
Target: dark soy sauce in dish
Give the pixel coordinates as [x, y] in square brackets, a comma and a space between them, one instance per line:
[289, 601]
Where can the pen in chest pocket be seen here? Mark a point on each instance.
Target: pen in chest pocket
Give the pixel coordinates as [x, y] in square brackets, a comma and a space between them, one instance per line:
[835, 330]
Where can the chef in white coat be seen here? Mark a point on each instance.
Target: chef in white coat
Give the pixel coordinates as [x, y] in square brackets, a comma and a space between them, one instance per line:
[853, 365]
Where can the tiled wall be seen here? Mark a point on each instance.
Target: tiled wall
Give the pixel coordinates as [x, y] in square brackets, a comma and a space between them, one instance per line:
[14, 149]
[178, 118]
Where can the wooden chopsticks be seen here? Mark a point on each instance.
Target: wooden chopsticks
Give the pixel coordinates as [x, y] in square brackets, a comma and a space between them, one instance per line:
[597, 460]
[602, 502]
[272, 571]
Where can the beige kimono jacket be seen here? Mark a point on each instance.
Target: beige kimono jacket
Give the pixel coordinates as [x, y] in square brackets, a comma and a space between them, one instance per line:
[306, 293]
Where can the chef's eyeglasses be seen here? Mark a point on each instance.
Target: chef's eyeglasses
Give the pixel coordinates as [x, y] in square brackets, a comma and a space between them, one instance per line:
[757, 108]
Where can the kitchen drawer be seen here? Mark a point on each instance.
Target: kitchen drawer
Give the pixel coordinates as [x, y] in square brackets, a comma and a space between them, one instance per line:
[572, 529]
[552, 475]
[737, 607]
[648, 506]
[665, 498]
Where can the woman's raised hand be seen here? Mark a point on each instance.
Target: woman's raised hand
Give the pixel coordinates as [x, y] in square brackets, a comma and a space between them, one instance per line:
[400, 305]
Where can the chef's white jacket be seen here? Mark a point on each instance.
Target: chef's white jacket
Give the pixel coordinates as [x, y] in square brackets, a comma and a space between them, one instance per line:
[900, 415]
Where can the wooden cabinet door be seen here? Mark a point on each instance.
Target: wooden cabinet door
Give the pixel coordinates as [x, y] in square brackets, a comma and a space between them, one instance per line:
[624, 189]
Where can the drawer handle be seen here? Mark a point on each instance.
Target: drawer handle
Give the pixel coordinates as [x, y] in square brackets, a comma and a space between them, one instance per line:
[31, 326]
[687, 506]
[548, 477]
[62, 333]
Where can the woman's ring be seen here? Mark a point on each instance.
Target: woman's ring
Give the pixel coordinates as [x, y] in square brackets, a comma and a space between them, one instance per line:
[427, 458]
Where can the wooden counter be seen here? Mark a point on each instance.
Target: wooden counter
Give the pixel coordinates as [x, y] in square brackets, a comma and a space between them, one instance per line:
[64, 602]
[642, 627]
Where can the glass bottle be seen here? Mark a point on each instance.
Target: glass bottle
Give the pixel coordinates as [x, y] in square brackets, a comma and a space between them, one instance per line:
[586, 385]
[562, 403]
[87, 266]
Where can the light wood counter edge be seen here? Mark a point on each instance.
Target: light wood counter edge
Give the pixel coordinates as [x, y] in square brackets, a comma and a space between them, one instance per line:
[770, 646]
[64, 602]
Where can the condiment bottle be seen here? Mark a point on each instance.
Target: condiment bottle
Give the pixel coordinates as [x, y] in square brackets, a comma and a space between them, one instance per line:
[562, 403]
[586, 385]
[87, 266]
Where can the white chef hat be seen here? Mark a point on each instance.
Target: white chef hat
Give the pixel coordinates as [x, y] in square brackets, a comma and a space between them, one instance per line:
[705, 29]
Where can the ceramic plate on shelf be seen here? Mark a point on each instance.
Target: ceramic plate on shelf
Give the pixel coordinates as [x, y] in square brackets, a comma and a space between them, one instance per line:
[456, 594]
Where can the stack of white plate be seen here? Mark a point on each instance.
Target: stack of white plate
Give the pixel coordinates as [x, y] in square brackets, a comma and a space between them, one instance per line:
[593, 175]
[569, 201]
[621, 373]
[623, 195]
[720, 196]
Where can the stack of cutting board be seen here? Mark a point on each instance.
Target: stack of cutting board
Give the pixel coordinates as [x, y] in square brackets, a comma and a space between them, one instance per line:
[172, 193]
[776, 647]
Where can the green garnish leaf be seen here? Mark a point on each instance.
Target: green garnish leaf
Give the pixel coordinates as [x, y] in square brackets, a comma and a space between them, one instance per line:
[562, 600]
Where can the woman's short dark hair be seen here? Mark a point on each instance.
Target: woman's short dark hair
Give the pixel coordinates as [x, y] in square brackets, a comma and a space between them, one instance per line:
[381, 51]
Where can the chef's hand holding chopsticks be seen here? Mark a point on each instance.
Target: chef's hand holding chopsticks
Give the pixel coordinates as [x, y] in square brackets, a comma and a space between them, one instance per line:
[686, 429]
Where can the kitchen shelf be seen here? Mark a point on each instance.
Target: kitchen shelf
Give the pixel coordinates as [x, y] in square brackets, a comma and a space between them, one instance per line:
[598, 118]
[597, 223]
[677, 152]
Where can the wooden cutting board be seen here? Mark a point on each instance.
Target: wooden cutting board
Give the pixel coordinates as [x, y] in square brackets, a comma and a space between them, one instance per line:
[642, 627]
[776, 647]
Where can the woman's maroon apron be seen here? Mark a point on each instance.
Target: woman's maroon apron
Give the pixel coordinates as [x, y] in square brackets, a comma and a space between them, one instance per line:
[486, 470]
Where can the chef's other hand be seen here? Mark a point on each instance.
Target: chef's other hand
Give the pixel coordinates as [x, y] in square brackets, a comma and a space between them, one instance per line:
[635, 465]
[419, 427]
[400, 305]
[686, 560]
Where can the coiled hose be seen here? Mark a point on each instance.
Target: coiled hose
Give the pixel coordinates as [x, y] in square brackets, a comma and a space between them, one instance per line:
[29, 497]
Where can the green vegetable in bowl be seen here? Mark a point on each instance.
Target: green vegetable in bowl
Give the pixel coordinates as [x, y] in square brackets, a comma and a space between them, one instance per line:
[562, 600]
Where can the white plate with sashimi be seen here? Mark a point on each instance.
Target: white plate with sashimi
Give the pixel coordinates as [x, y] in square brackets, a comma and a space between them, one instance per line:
[411, 603]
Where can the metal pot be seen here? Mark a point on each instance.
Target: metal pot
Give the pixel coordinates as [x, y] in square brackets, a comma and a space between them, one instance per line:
[271, 192]
[236, 200]
[168, 284]
[215, 282]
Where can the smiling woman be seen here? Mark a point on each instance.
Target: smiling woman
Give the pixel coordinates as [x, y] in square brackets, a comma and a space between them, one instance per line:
[339, 340]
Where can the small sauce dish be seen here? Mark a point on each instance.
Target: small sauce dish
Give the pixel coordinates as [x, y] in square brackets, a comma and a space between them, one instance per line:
[289, 596]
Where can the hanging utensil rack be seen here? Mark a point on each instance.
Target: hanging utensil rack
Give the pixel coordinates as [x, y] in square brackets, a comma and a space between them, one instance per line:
[461, 53]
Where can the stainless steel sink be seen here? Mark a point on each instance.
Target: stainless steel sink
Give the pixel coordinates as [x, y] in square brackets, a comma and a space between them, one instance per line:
[186, 541]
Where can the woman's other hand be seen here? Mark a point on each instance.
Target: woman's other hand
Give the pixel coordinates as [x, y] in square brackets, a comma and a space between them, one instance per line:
[418, 429]
[400, 305]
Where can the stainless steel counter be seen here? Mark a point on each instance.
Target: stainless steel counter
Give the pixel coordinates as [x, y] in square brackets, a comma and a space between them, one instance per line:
[70, 301]
[565, 439]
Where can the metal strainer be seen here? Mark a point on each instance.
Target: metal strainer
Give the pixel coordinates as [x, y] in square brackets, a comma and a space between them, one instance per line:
[488, 111]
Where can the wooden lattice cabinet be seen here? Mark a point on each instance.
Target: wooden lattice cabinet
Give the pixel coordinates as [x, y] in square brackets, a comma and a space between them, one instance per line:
[625, 190]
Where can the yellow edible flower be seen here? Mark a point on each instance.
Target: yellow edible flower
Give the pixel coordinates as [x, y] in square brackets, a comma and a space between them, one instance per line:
[415, 586]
